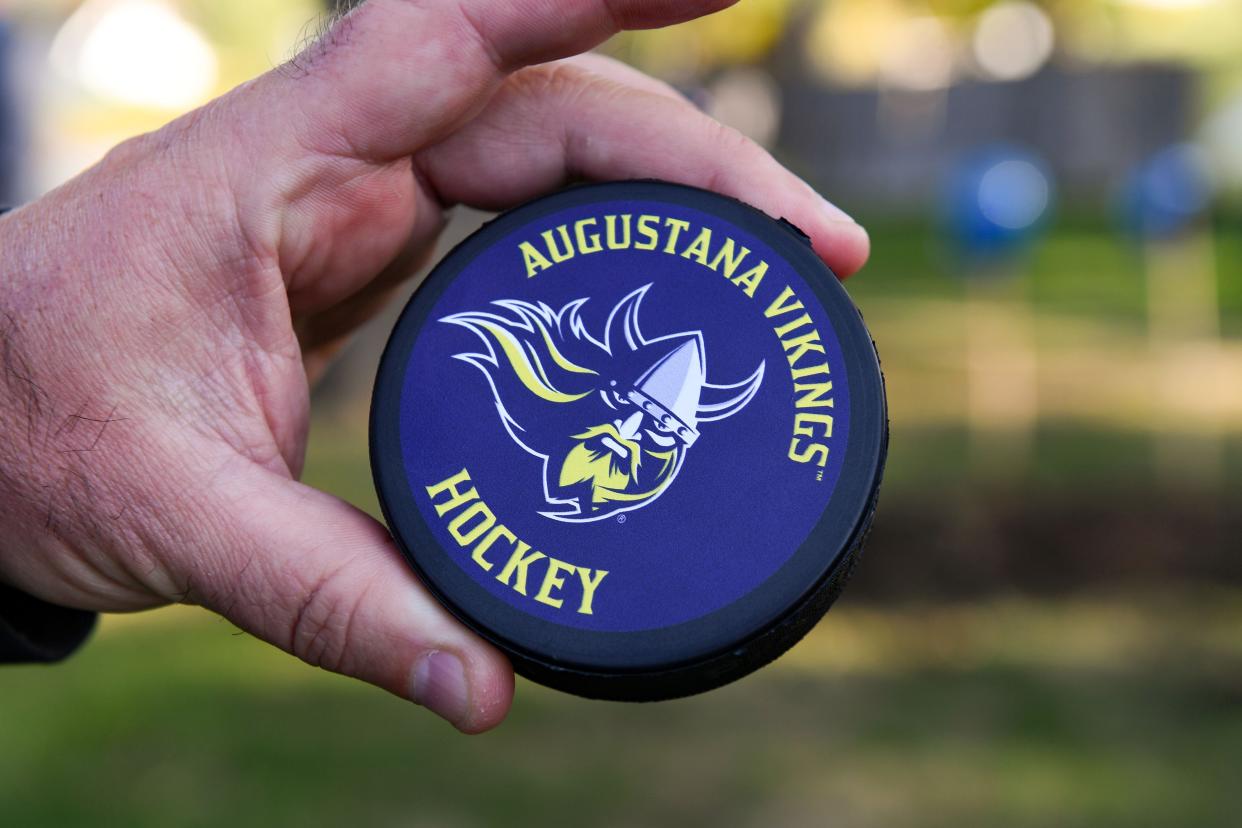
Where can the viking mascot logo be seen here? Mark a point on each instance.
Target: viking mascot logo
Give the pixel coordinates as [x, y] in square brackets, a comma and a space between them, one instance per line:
[611, 419]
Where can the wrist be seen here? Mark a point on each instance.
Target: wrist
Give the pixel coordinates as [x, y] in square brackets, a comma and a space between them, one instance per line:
[119, 348]
[59, 507]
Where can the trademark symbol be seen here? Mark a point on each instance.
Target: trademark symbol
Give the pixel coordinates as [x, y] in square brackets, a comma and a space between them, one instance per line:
[620, 518]
[819, 475]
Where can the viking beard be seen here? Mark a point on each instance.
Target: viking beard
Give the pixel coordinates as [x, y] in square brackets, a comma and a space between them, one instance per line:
[616, 472]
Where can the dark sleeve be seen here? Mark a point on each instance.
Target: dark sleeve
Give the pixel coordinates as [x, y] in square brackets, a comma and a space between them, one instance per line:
[36, 631]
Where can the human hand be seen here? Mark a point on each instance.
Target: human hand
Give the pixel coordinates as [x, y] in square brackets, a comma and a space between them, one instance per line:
[160, 313]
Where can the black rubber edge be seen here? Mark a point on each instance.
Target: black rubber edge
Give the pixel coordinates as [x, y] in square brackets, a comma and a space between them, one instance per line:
[714, 669]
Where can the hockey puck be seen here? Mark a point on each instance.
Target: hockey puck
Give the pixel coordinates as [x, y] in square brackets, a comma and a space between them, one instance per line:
[633, 435]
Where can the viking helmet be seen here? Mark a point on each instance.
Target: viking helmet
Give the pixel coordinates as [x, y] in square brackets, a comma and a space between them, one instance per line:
[675, 392]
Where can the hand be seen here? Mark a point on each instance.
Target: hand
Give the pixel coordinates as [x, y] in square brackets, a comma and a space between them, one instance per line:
[159, 314]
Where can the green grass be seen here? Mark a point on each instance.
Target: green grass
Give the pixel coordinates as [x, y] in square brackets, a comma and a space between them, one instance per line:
[1093, 713]
[1081, 266]
[1111, 710]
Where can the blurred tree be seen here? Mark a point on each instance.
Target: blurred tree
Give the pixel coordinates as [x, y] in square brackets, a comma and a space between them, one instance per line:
[853, 38]
[744, 33]
[247, 49]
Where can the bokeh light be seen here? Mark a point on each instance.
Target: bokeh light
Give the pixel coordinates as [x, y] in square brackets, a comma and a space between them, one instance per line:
[749, 100]
[1013, 40]
[1221, 139]
[920, 55]
[1167, 192]
[138, 52]
[1170, 4]
[998, 199]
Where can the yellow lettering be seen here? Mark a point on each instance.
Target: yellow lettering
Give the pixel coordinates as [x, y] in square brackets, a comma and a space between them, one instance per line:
[553, 581]
[586, 244]
[808, 453]
[803, 424]
[725, 255]
[559, 256]
[589, 585]
[803, 373]
[699, 247]
[610, 224]
[486, 521]
[814, 395]
[534, 260]
[798, 347]
[457, 497]
[783, 305]
[486, 544]
[647, 231]
[804, 319]
[518, 563]
[477, 526]
[676, 225]
[750, 280]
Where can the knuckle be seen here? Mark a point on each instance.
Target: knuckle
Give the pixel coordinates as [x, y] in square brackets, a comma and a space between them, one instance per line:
[731, 141]
[732, 145]
[127, 152]
[477, 35]
[157, 144]
[322, 623]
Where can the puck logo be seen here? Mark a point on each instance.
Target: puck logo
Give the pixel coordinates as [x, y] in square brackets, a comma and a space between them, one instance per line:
[618, 416]
[612, 418]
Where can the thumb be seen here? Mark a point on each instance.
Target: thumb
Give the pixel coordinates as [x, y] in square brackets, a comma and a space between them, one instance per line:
[324, 581]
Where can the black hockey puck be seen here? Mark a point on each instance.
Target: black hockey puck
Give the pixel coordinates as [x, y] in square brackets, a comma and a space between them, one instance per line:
[633, 435]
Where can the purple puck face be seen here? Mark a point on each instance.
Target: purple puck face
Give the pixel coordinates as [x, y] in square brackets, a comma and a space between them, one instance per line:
[632, 434]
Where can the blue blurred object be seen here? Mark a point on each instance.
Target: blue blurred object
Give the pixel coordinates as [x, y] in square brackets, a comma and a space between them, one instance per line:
[1166, 193]
[998, 199]
[10, 131]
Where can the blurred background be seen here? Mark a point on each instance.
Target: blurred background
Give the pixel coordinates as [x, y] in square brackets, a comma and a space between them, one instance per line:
[1046, 628]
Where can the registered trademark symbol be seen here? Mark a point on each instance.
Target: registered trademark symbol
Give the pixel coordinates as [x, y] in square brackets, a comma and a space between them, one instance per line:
[620, 518]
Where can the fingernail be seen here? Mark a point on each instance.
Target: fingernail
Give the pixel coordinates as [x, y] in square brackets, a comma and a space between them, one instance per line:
[440, 685]
[834, 212]
[860, 230]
